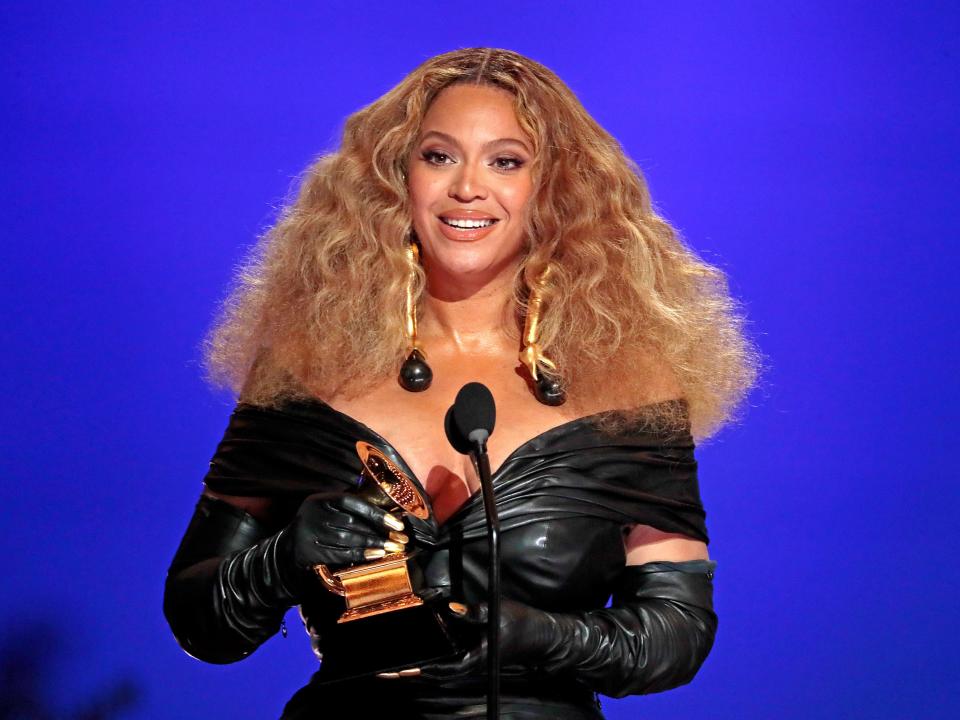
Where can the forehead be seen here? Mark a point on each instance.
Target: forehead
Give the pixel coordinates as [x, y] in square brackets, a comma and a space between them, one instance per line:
[479, 112]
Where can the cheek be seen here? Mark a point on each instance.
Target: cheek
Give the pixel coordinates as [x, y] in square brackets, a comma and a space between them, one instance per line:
[519, 191]
[423, 194]
[518, 198]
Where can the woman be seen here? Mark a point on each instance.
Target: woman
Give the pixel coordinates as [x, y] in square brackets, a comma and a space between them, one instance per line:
[473, 212]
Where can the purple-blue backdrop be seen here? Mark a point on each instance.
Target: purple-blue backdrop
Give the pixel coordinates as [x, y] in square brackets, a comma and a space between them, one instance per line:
[810, 151]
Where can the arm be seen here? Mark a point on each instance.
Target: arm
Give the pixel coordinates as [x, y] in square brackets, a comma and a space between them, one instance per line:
[644, 544]
[231, 580]
[205, 603]
[655, 635]
[661, 622]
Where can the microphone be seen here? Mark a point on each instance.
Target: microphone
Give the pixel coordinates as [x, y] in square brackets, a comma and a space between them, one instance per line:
[471, 418]
[469, 423]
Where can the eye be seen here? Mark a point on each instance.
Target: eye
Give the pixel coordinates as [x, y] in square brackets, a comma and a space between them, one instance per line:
[507, 163]
[435, 157]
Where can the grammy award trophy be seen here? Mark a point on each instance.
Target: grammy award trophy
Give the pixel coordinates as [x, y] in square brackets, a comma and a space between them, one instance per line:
[386, 625]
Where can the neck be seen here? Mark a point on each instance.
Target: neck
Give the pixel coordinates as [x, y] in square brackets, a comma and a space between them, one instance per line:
[469, 316]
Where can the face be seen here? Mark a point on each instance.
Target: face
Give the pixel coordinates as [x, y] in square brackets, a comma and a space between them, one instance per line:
[470, 180]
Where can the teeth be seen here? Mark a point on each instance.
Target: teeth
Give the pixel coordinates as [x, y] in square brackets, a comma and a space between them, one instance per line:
[467, 223]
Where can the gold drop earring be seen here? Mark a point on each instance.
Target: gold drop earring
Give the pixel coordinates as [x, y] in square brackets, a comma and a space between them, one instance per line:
[547, 387]
[415, 374]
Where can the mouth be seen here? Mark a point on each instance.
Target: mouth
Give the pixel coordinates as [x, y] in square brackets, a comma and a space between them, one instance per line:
[462, 224]
[466, 229]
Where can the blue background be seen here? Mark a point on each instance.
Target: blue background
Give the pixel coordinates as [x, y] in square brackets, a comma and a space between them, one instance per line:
[809, 150]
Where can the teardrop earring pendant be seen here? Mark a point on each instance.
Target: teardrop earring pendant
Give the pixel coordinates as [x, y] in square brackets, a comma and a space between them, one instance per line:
[546, 385]
[415, 373]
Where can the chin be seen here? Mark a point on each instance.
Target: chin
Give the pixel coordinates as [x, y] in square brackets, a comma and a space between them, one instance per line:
[470, 262]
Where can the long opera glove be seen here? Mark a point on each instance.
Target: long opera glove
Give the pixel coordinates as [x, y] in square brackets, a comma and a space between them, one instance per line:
[654, 637]
[231, 581]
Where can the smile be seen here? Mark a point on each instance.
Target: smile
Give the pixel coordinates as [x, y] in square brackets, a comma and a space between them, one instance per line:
[467, 224]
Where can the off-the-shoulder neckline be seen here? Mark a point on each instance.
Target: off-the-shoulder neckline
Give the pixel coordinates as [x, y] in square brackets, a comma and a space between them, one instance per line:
[558, 429]
[539, 438]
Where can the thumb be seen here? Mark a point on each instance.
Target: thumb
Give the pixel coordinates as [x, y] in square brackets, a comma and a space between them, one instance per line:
[476, 614]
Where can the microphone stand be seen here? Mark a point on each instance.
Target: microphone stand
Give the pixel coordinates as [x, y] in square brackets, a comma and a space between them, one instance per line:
[481, 462]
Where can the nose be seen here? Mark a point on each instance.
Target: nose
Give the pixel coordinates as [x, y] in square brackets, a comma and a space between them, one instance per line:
[467, 184]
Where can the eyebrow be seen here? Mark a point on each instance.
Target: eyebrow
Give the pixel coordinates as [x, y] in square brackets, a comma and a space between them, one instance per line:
[453, 141]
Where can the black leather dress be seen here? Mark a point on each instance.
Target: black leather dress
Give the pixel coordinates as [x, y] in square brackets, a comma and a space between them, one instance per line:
[564, 498]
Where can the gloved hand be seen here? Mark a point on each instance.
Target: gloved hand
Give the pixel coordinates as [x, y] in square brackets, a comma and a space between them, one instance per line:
[654, 637]
[335, 530]
[525, 635]
[231, 582]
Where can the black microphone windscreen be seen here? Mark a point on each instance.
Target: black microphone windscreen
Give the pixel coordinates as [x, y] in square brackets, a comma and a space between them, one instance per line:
[459, 441]
[474, 409]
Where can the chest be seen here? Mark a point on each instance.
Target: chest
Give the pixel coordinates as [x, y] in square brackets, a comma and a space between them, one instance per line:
[413, 424]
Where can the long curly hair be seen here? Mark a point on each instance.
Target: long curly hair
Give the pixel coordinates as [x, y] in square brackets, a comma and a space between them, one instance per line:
[320, 301]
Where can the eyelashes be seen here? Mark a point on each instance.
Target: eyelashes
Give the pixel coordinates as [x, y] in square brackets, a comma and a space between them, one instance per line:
[502, 163]
[512, 163]
[435, 158]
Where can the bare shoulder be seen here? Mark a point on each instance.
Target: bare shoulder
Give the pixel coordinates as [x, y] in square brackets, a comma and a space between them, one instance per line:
[648, 544]
[644, 543]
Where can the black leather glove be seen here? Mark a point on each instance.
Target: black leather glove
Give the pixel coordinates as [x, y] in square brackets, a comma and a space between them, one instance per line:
[231, 582]
[654, 637]
[334, 530]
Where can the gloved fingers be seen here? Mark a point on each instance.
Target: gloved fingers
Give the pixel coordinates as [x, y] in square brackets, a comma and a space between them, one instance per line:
[374, 516]
[405, 673]
[335, 545]
[336, 529]
[461, 667]
[333, 533]
[343, 547]
[349, 510]
[475, 615]
[348, 526]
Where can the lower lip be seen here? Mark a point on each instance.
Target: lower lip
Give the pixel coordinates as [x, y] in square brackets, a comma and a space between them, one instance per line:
[477, 233]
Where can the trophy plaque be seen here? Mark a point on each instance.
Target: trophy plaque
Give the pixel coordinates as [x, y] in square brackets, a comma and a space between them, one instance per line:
[386, 625]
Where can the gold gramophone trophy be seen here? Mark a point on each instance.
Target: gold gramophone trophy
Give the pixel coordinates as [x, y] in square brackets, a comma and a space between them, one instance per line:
[386, 626]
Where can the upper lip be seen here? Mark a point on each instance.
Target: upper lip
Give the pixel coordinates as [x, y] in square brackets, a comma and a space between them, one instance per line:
[467, 215]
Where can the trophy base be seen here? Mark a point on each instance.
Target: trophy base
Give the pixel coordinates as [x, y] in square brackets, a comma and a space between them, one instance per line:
[379, 608]
[386, 642]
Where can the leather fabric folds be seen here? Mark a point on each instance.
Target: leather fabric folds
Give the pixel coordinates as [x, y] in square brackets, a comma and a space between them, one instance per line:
[565, 498]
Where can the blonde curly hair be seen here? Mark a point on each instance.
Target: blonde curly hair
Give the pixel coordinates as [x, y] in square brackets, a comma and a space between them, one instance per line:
[321, 300]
